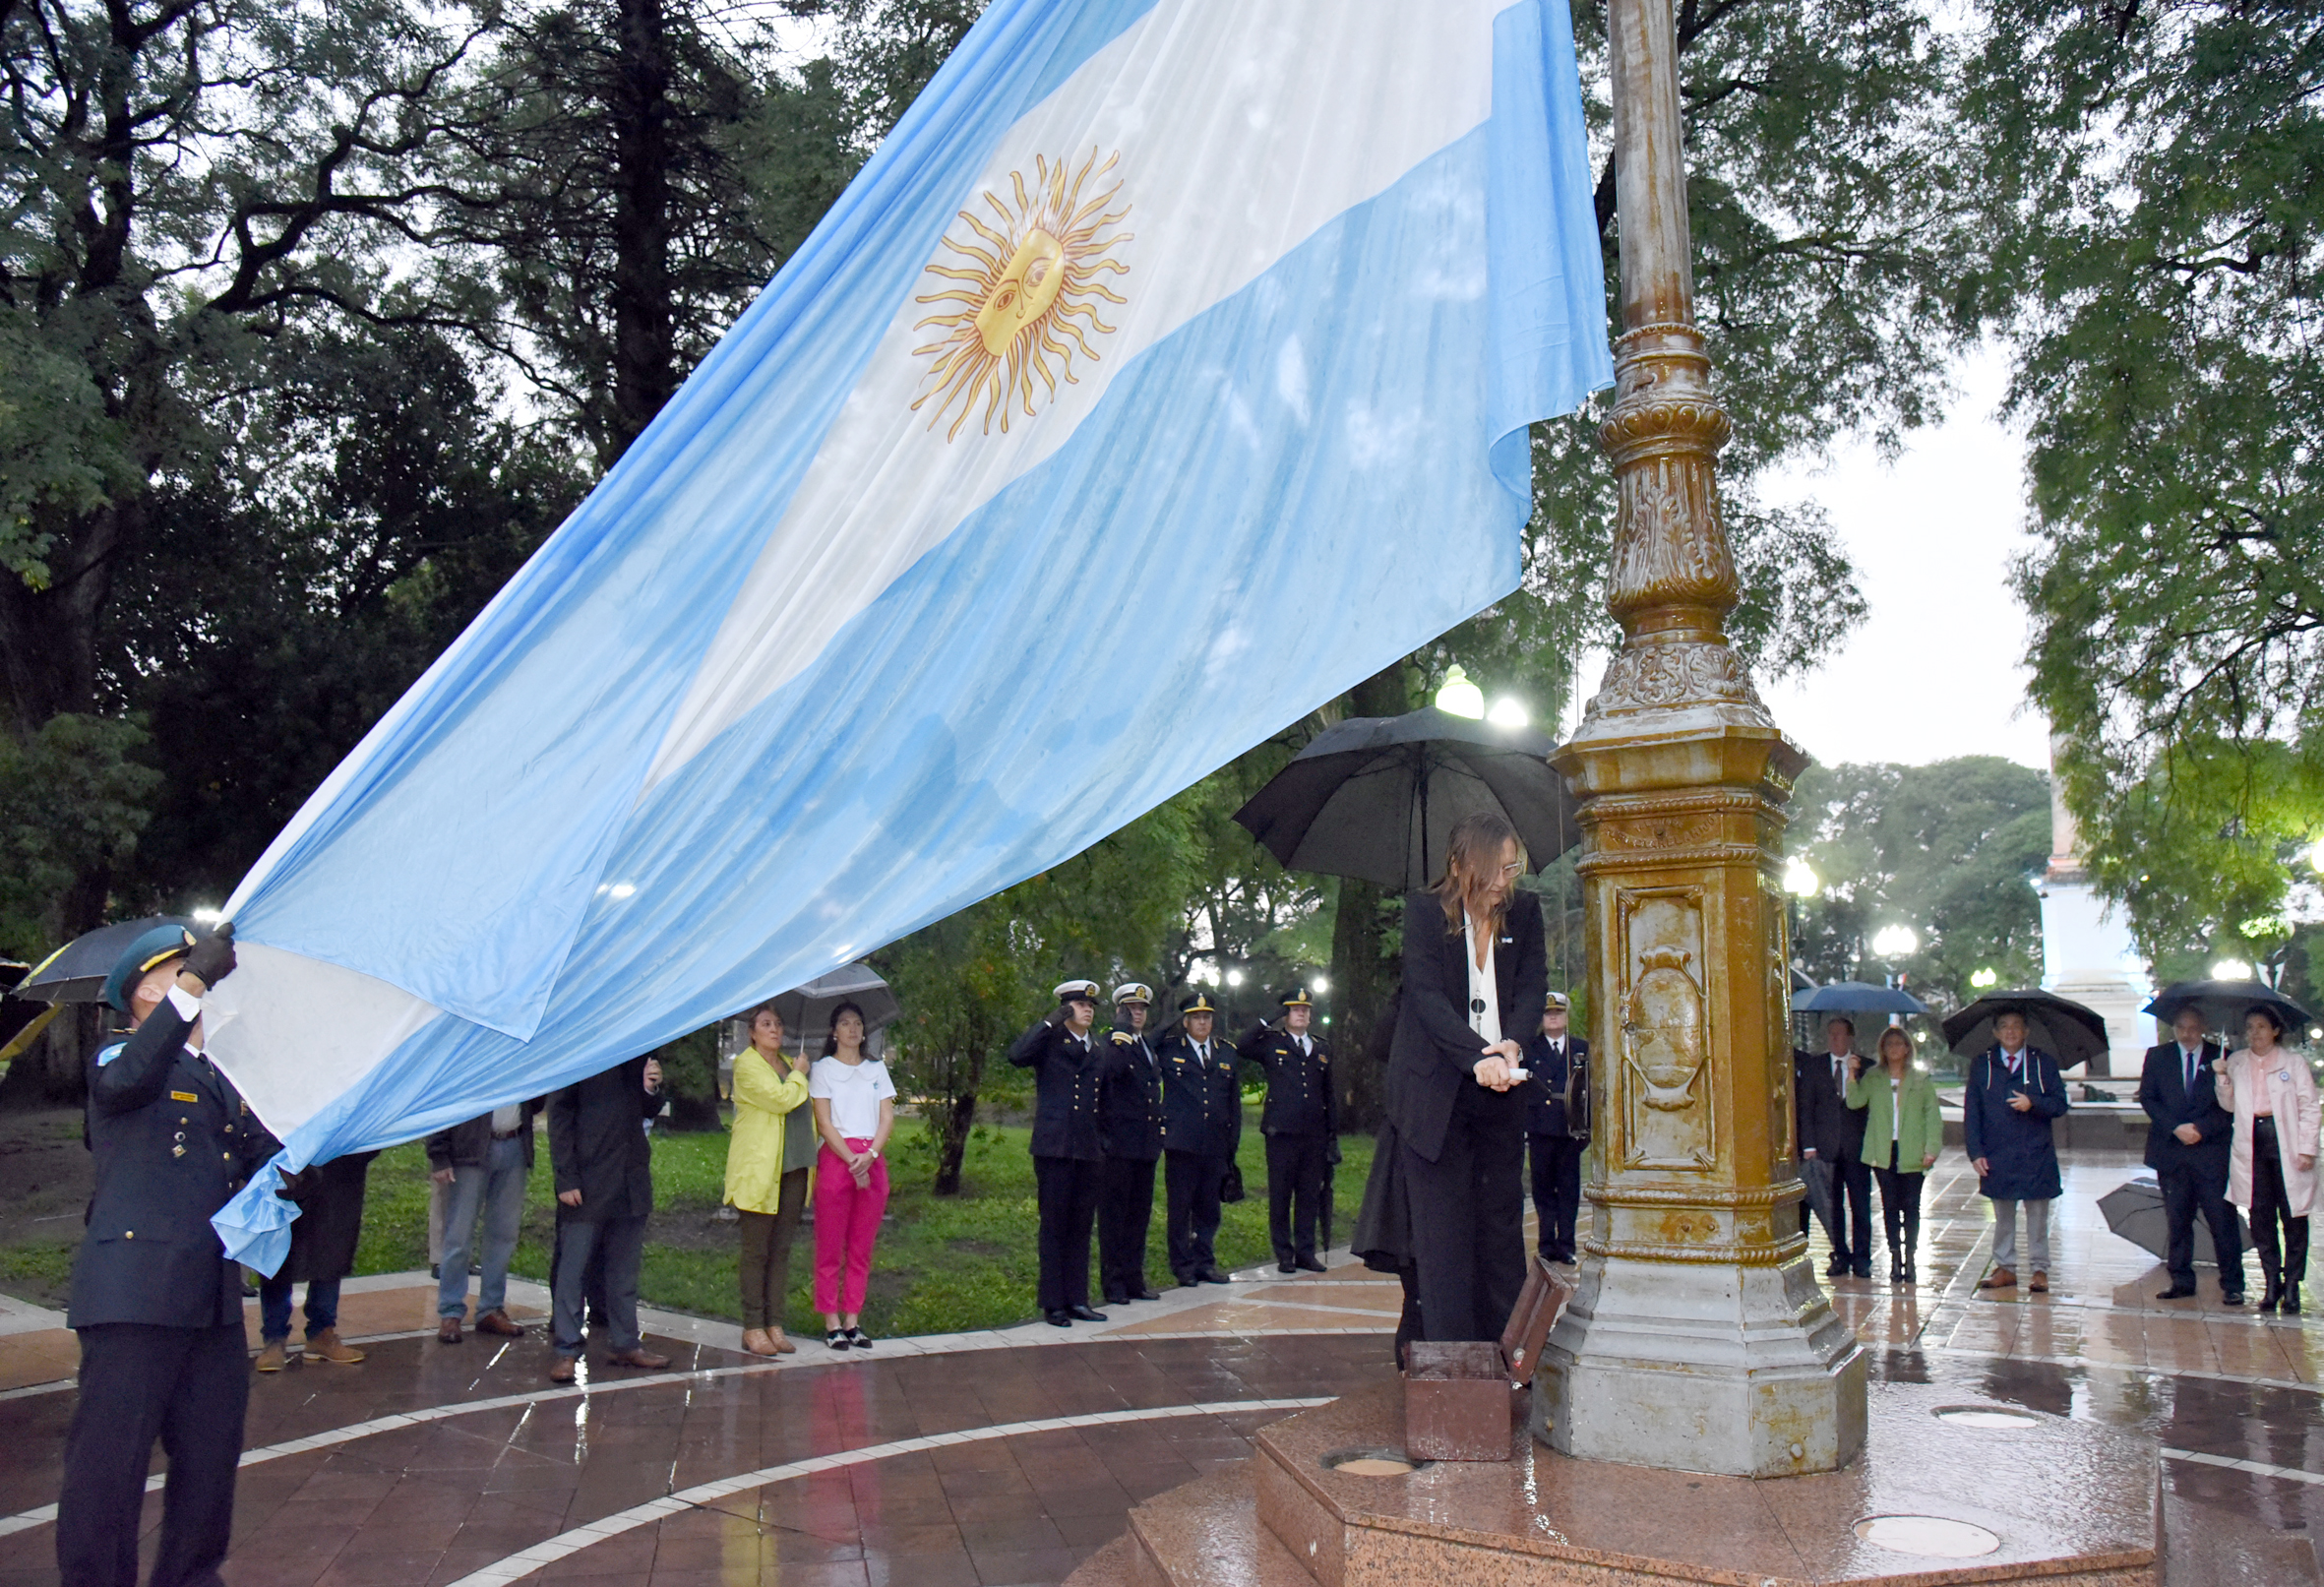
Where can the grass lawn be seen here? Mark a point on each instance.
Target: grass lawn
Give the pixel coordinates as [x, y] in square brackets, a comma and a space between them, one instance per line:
[942, 1263]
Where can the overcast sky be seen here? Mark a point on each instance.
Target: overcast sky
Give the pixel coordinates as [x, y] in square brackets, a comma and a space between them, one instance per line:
[1935, 669]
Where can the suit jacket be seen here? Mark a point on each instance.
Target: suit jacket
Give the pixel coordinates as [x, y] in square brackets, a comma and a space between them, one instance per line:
[1827, 1122]
[1299, 1100]
[1435, 1053]
[174, 1140]
[597, 1143]
[1202, 1102]
[469, 1144]
[1555, 1077]
[1066, 1071]
[1130, 1097]
[2017, 1146]
[2163, 1092]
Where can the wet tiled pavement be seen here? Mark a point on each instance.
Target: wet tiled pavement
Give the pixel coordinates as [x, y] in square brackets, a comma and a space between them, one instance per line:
[1009, 1457]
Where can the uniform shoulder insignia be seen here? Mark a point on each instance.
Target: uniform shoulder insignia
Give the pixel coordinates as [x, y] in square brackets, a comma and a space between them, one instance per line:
[1121, 1040]
[109, 1054]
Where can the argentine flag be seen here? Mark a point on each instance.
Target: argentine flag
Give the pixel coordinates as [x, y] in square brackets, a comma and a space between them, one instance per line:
[1165, 373]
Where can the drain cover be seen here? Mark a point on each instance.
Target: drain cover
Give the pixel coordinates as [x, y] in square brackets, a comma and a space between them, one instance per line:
[1930, 1536]
[1371, 1463]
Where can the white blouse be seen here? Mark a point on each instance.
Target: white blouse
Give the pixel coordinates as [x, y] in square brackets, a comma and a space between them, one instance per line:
[1484, 984]
[854, 1091]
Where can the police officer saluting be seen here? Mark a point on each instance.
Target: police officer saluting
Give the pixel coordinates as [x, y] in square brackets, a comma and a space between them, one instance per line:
[1067, 1160]
[1202, 1126]
[1301, 1126]
[1129, 1125]
[156, 1305]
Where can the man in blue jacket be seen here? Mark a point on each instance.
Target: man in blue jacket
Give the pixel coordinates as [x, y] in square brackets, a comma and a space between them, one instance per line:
[156, 1305]
[2013, 1094]
[2188, 1139]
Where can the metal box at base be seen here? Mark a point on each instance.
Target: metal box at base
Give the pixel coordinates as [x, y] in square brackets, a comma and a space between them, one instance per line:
[1458, 1401]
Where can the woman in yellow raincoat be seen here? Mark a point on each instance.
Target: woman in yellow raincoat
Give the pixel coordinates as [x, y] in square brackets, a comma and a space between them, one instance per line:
[769, 1164]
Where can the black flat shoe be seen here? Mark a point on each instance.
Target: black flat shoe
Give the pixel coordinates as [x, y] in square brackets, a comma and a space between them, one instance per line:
[837, 1339]
[1311, 1264]
[858, 1338]
[1082, 1313]
[1057, 1319]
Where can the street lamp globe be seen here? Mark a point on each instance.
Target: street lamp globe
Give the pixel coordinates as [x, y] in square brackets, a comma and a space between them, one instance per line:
[1801, 880]
[1322, 984]
[1457, 697]
[1234, 978]
[1896, 942]
[1985, 978]
[1509, 713]
[2231, 970]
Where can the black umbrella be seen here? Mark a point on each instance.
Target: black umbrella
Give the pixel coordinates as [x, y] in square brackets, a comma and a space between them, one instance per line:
[2059, 1026]
[1377, 797]
[1857, 998]
[2224, 1004]
[2134, 1210]
[77, 971]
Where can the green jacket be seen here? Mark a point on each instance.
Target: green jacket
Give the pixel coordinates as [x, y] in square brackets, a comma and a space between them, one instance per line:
[1922, 1133]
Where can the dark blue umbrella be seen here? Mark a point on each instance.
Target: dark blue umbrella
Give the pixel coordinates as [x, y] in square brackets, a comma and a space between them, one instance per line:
[2224, 1004]
[77, 971]
[1857, 998]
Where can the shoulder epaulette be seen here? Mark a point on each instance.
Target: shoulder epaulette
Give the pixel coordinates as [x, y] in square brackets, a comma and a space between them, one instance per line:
[1123, 1039]
[109, 1054]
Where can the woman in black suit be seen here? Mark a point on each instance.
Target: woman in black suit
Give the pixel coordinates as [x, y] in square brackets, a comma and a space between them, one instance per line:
[1449, 1198]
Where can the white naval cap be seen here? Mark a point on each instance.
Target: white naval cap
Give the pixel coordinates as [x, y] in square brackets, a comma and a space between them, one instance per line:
[1133, 991]
[1078, 992]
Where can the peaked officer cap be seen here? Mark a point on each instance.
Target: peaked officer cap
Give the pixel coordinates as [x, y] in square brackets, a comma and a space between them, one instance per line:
[1133, 991]
[1078, 992]
[1199, 1003]
[157, 947]
[1296, 998]
[1555, 1003]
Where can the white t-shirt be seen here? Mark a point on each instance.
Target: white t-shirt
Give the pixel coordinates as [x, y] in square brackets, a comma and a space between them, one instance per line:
[1484, 983]
[853, 1091]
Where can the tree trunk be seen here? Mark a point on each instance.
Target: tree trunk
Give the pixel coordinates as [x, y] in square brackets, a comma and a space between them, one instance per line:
[644, 373]
[952, 1141]
[1362, 979]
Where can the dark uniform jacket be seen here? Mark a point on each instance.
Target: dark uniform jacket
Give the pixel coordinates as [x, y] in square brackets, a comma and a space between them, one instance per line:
[329, 1222]
[1066, 1071]
[2162, 1092]
[597, 1143]
[174, 1140]
[2017, 1146]
[469, 1144]
[1435, 1052]
[1300, 1099]
[1555, 1077]
[1130, 1097]
[1202, 1102]
[1827, 1122]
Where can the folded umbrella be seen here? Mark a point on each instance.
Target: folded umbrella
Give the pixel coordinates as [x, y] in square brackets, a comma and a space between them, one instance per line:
[77, 971]
[1377, 797]
[1857, 998]
[2061, 1027]
[2134, 1210]
[2224, 1005]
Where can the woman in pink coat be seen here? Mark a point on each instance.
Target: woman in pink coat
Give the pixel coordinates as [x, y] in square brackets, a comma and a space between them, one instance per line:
[2272, 1174]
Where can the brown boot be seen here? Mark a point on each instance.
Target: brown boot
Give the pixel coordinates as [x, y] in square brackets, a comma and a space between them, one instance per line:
[448, 1331]
[2040, 1283]
[783, 1342]
[2000, 1278]
[561, 1369]
[326, 1346]
[496, 1321]
[273, 1358]
[642, 1358]
[756, 1341]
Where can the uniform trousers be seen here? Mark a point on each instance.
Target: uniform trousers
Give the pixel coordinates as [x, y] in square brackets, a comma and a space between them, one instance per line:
[186, 1386]
[2191, 1190]
[622, 1241]
[1555, 1162]
[1468, 1218]
[846, 1226]
[1068, 1189]
[1191, 1183]
[2269, 1204]
[1125, 1212]
[1295, 1172]
[767, 1238]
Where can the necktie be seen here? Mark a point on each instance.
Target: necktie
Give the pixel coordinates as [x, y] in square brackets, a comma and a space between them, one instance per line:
[2191, 1059]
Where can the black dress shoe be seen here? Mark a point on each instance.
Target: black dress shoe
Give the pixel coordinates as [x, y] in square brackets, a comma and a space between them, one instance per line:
[1147, 1295]
[1313, 1265]
[2230, 1298]
[1862, 1269]
[1286, 1267]
[1117, 1299]
[1837, 1267]
[1082, 1313]
[1212, 1276]
[1057, 1319]
[1187, 1281]
[2178, 1292]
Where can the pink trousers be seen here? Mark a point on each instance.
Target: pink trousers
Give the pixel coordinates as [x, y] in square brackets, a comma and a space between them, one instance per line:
[846, 1222]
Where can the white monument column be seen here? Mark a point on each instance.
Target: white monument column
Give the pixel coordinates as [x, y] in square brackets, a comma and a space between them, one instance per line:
[2087, 951]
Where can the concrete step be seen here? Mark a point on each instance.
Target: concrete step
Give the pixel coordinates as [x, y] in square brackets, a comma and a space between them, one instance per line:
[1207, 1533]
[2206, 1545]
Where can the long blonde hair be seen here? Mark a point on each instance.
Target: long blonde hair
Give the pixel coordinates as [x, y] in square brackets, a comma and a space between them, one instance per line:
[1473, 854]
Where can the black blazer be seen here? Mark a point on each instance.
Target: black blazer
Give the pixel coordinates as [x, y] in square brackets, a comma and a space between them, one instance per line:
[469, 1144]
[1827, 1124]
[174, 1140]
[1130, 1097]
[597, 1143]
[1066, 1071]
[2162, 1092]
[1435, 1053]
[1545, 1102]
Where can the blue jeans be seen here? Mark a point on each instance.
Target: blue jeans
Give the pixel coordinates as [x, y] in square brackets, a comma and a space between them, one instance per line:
[273, 1306]
[498, 1188]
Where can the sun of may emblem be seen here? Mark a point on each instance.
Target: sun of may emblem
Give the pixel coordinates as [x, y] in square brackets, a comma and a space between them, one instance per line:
[1027, 290]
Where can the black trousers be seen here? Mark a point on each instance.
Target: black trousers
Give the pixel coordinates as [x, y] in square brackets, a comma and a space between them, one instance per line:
[1191, 1182]
[1468, 1218]
[2190, 1192]
[1900, 1205]
[1125, 1212]
[185, 1386]
[1555, 1161]
[1295, 1170]
[1068, 1189]
[620, 1243]
[1852, 1206]
[2268, 1205]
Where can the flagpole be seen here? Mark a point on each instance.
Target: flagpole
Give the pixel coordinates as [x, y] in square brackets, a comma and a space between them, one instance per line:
[1699, 1339]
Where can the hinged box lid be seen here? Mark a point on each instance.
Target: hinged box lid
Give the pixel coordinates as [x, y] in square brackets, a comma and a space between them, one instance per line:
[1536, 1312]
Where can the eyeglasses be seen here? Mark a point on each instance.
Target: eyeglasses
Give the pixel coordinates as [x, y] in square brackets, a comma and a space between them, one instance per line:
[1514, 870]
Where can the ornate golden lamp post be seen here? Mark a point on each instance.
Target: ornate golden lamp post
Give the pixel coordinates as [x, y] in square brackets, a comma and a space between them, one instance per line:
[1701, 1339]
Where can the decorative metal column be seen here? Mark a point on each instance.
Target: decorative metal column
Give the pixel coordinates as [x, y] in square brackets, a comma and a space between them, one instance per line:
[1701, 1339]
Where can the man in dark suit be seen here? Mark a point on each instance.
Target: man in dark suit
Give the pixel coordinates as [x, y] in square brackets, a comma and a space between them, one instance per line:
[1556, 1126]
[604, 1170]
[1202, 1126]
[1067, 1159]
[1301, 1124]
[1832, 1148]
[156, 1305]
[1129, 1130]
[2188, 1139]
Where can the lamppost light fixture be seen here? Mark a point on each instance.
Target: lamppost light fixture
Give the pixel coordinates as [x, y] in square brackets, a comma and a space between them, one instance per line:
[1985, 978]
[1896, 942]
[2231, 970]
[1801, 880]
[1234, 978]
[1320, 984]
[1457, 697]
[1509, 712]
